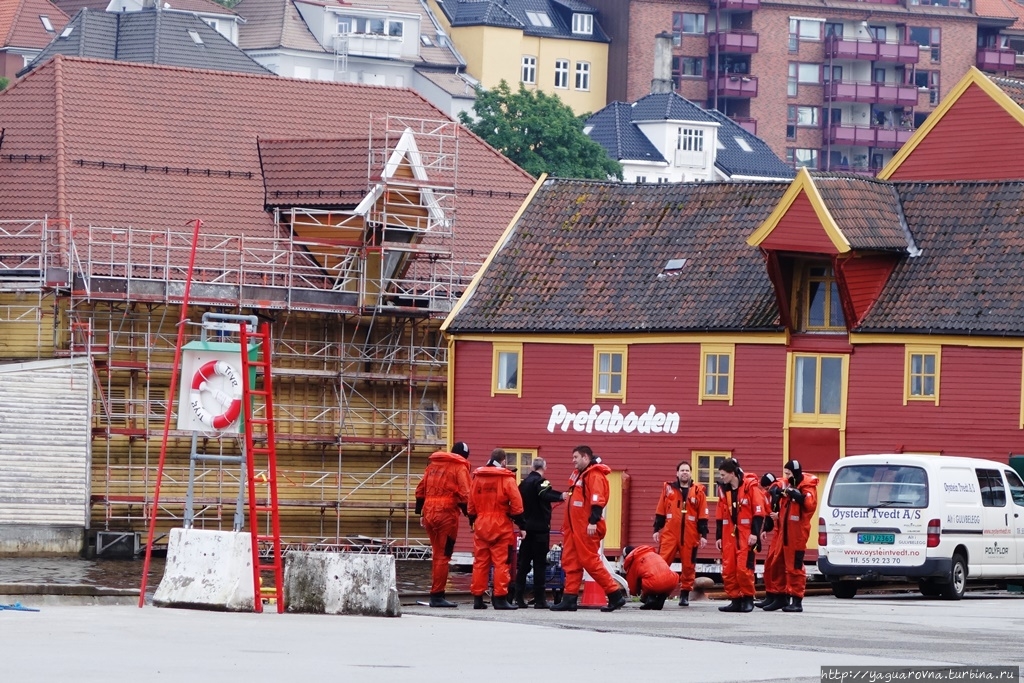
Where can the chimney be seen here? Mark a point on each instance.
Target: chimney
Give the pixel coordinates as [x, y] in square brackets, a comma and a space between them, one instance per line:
[662, 63]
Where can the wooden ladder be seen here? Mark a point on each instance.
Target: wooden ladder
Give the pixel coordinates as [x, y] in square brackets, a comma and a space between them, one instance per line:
[256, 373]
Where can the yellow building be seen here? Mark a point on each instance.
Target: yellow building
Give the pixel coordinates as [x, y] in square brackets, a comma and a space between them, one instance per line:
[561, 49]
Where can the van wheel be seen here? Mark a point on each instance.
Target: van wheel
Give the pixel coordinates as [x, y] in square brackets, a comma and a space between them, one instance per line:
[929, 589]
[954, 590]
[844, 590]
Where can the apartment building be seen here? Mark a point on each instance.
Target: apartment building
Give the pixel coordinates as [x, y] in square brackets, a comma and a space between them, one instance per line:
[838, 86]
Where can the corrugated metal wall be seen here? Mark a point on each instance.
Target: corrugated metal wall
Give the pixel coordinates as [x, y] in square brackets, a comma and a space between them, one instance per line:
[45, 442]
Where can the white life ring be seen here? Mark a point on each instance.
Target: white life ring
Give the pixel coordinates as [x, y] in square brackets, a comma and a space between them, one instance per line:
[232, 405]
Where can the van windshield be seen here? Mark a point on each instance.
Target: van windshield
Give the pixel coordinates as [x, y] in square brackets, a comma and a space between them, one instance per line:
[870, 486]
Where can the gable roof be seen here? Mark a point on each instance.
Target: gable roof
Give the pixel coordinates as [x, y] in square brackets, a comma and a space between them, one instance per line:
[71, 7]
[591, 257]
[120, 143]
[513, 14]
[615, 128]
[21, 26]
[149, 36]
[270, 24]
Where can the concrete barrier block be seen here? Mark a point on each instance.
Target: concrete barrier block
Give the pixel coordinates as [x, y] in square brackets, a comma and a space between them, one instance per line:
[207, 570]
[341, 583]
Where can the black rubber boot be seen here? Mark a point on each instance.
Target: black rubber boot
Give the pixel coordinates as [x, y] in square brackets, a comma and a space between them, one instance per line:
[539, 602]
[568, 604]
[615, 601]
[657, 602]
[733, 606]
[684, 599]
[778, 602]
[501, 602]
[646, 602]
[796, 604]
[768, 599]
[478, 602]
[747, 603]
[520, 602]
[437, 600]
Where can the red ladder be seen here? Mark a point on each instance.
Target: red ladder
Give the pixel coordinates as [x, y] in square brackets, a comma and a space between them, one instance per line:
[253, 372]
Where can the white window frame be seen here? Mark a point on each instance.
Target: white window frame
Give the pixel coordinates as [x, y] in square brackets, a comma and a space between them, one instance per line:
[562, 74]
[582, 24]
[528, 73]
[690, 139]
[583, 76]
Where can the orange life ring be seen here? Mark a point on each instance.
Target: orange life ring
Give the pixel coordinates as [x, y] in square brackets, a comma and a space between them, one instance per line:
[232, 404]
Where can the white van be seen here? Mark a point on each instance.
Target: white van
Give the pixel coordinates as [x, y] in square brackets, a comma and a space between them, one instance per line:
[938, 520]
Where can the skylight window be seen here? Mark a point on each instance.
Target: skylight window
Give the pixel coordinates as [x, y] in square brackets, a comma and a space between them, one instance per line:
[744, 145]
[47, 24]
[196, 38]
[539, 19]
[425, 39]
[67, 31]
[674, 266]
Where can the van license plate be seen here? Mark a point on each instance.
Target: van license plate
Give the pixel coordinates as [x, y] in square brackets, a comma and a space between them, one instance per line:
[882, 539]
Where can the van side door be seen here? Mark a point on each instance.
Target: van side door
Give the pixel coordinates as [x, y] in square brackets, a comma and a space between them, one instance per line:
[1016, 486]
[998, 545]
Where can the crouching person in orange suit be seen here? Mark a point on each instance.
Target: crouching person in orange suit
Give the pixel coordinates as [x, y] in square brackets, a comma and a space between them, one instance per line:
[494, 502]
[582, 531]
[648, 575]
[440, 495]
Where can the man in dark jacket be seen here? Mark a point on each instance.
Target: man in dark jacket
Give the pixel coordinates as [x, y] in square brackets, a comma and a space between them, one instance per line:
[538, 495]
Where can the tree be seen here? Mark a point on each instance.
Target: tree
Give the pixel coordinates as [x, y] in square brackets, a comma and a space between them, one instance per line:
[538, 132]
[4, 82]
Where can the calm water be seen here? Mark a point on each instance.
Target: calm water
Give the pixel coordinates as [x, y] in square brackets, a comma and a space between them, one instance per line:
[413, 576]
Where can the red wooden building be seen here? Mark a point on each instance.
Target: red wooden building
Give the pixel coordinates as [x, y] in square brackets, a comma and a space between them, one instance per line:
[764, 321]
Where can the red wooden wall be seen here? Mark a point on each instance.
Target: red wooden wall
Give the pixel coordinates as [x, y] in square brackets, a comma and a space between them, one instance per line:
[800, 230]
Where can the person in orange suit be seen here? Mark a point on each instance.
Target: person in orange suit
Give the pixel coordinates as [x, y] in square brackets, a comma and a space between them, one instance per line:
[774, 565]
[741, 513]
[494, 502]
[796, 511]
[583, 529]
[648, 575]
[441, 493]
[681, 526]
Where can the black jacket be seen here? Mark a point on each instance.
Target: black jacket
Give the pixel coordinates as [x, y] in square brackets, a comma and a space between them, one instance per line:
[537, 499]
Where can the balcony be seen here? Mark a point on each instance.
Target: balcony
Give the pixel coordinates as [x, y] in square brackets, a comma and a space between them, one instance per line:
[871, 93]
[746, 123]
[868, 136]
[733, 41]
[734, 85]
[368, 45]
[871, 50]
[996, 59]
[739, 5]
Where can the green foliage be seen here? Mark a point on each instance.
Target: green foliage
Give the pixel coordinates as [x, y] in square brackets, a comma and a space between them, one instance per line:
[540, 133]
[4, 82]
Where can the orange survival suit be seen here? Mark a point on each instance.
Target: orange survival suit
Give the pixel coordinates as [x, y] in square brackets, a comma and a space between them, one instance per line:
[796, 511]
[774, 564]
[681, 520]
[741, 514]
[494, 501]
[442, 492]
[588, 494]
[648, 575]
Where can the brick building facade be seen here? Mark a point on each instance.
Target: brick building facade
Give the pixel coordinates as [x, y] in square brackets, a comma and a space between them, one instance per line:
[837, 88]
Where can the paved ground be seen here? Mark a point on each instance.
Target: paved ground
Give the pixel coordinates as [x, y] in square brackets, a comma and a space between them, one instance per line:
[124, 643]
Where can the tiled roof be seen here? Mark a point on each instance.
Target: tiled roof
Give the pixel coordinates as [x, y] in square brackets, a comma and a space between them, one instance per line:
[452, 83]
[201, 6]
[315, 172]
[270, 24]
[150, 37]
[668, 106]
[866, 211]
[21, 26]
[155, 146]
[1013, 87]
[513, 14]
[591, 257]
[613, 129]
[733, 160]
[1000, 9]
[969, 277]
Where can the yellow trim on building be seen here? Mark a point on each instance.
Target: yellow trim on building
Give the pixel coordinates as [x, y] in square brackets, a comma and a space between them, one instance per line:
[936, 339]
[611, 351]
[497, 350]
[521, 459]
[450, 402]
[802, 183]
[505, 236]
[923, 351]
[818, 419]
[726, 350]
[972, 77]
[713, 457]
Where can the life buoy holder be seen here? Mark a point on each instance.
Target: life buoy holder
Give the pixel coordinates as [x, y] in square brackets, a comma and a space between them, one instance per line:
[232, 405]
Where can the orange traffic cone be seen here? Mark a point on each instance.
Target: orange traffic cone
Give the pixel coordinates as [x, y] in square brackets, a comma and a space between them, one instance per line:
[593, 595]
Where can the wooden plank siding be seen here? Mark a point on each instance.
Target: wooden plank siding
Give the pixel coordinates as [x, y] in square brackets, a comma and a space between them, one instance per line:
[975, 140]
[799, 230]
[864, 279]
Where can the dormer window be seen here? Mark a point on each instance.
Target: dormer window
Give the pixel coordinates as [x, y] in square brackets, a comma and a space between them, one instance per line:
[582, 24]
[47, 24]
[820, 309]
[690, 139]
